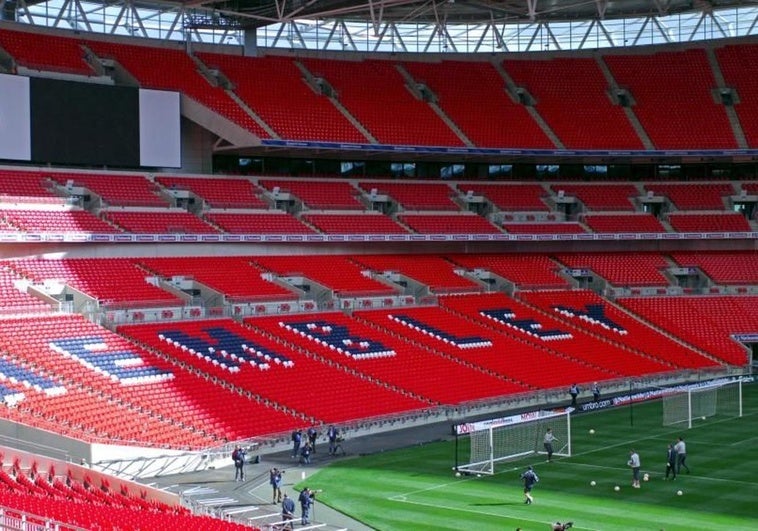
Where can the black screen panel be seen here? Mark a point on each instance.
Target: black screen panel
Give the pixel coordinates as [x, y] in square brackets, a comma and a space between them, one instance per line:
[84, 123]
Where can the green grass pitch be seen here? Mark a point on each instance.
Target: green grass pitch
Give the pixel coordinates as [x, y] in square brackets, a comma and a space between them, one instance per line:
[415, 488]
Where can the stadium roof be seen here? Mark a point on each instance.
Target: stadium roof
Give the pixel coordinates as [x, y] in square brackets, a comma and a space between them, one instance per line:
[253, 13]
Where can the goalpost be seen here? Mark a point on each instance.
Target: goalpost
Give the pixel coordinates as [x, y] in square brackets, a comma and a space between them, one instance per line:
[702, 401]
[495, 440]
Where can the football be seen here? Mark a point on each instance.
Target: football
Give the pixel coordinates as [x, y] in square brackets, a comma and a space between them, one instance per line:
[679, 493]
[457, 474]
[592, 431]
[617, 488]
[592, 483]
[646, 478]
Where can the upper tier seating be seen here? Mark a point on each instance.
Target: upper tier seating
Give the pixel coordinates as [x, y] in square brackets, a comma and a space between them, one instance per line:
[21, 183]
[673, 99]
[739, 66]
[415, 196]
[734, 267]
[61, 54]
[274, 222]
[616, 197]
[621, 269]
[544, 228]
[494, 120]
[389, 360]
[112, 281]
[588, 352]
[704, 322]
[58, 221]
[448, 224]
[727, 222]
[510, 197]
[412, 121]
[15, 301]
[273, 370]
[587, 310]
[434, 271]
[524, 270]
[274, 88]
[571, 95]
[158, 222]
[694, 196]
[337, 273]
[218, 192]
[115, 189]
[170, 68]
[320, 195]
[623, 223]
[233, 276]
[354, 224]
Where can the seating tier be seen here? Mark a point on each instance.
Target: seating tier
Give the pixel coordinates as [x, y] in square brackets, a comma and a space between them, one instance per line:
[338, 273]
[354, 224]
[233, 276]
[448, 224]
[598, 197]
[709, 222]
[218, 192]
[585, 309]
[433, 271]
[510, 197]
[495, 120]
[275, 89]
[704, 322]
[621, 269]
[526, 324]
[112, 281]
[401, 364]
[59, 221]
[623, 223]
[264, 223]
[673, 98]
[693, 196]
[739, 66]
[325, 195]
[61, 54]
[418, 124]
[115, 189]
[158, 222]
[734, 267]
[524, 270]
[571, 95]
[415, 196]
[276, 372]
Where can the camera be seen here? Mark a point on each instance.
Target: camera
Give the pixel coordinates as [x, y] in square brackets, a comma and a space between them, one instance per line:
[562, 527]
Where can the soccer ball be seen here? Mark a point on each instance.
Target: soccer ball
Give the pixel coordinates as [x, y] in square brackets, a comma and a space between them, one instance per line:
[646, 478]
[457, 474]
[703, 418]
[617, 488]
[592, 483]
[679, 493]
[478, 475]
[592, 431]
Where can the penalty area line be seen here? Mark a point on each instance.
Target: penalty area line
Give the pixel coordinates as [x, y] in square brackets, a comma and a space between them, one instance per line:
[486, 513]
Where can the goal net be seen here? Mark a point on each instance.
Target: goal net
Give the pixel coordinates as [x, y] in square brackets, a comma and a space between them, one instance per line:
[702, 401]
[481, 445]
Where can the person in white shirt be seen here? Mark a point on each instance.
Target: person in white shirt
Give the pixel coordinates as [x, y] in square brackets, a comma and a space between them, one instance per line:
[681, 456]
[634, 462]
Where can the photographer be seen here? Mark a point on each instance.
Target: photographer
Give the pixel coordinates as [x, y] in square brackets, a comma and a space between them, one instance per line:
[562, 527]
[306, 499]
[275, 479]
[238, 456]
